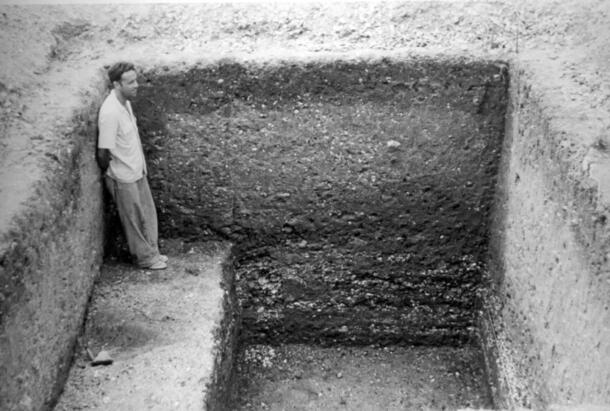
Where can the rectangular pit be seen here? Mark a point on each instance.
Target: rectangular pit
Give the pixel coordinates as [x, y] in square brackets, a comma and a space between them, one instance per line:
[549, 240]
[359, 193]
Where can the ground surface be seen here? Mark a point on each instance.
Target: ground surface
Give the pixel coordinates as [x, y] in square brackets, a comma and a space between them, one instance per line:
[160, 327]
[298, 377]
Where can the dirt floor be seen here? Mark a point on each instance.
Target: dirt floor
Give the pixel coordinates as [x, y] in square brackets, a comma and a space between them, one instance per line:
[166, 332]
[301, 377]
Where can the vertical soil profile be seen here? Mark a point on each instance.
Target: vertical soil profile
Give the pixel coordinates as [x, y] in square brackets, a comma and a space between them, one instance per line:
[358, 193]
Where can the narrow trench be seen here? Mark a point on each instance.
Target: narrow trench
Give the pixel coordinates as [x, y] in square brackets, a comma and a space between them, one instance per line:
[359, 195]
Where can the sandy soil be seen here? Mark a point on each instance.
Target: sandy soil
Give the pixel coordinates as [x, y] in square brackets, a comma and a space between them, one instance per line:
[162, 330]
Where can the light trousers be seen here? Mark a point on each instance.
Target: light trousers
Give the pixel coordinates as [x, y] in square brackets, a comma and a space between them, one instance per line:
[138, 217]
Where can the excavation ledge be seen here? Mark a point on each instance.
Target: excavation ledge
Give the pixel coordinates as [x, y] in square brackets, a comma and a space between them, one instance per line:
[171, 334]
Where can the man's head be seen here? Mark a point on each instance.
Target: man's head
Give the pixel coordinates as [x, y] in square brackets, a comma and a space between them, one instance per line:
[124, 79]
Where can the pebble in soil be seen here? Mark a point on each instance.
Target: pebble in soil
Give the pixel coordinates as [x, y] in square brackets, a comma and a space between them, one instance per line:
[318, 292]
[304, 377]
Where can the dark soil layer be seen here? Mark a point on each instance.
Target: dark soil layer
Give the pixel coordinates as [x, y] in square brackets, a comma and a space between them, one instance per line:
[374, 179]
[297, 377]
[353, 294]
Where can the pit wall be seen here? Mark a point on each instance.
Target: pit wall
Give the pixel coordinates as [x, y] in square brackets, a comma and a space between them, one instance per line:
[359, 191]
[221, 385]
[546, 327]
[48, 262]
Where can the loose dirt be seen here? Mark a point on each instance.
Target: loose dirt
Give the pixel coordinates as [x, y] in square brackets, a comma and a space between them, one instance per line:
[300, 377]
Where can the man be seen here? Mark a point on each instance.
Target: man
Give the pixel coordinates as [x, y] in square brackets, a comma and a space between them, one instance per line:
[121, 157]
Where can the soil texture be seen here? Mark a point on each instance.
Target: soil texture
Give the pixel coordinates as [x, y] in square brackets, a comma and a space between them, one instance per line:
[322, 293]
[169, 334]
[308, 378]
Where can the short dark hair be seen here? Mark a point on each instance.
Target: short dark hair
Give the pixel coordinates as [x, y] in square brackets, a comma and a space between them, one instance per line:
[116, 71]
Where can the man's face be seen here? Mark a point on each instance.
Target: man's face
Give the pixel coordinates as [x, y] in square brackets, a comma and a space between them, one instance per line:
[128, 86]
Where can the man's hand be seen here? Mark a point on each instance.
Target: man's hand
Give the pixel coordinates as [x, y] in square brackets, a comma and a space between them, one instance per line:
[103, 158]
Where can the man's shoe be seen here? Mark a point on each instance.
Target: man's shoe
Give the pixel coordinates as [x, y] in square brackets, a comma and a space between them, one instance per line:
[159, 265]
[163, 258]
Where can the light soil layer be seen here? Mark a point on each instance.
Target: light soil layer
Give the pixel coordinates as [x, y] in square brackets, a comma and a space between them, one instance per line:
[298, 377]
[548, 321]
[47, 263]
[171, 334]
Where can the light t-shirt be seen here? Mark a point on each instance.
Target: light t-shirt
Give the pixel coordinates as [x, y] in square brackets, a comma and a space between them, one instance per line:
[118, 132]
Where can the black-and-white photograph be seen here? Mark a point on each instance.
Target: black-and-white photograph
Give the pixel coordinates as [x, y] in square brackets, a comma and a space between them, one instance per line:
[330, 205]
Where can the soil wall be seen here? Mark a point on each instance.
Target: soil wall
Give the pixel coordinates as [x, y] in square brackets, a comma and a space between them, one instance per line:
[547, 324]
[358, 191]
[48, 262]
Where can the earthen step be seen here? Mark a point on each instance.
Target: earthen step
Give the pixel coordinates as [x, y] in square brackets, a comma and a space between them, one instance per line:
[170, 334]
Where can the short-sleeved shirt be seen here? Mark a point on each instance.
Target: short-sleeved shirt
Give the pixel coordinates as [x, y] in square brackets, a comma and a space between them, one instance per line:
[118, 132]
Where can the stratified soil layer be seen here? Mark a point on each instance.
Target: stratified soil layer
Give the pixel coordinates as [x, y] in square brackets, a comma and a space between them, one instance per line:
[358, 192]
[327, 294]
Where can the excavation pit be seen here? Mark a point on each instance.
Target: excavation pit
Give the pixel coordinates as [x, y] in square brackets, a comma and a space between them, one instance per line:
[544, 325]
[378, 207]
[359, 193]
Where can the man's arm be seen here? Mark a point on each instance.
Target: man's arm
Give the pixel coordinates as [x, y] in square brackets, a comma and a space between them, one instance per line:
[108, 127]
[103, 158]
